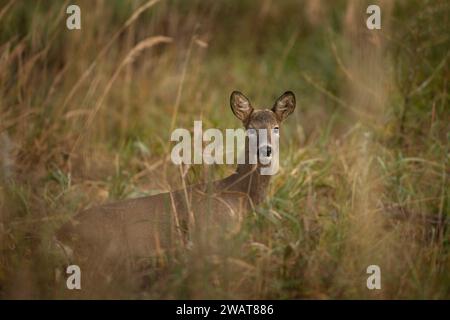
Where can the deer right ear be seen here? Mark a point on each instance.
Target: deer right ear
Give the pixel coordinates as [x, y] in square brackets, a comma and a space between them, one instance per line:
[240, 106]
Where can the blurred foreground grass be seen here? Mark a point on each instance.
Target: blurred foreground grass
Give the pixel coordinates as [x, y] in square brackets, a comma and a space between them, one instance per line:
[86, 117]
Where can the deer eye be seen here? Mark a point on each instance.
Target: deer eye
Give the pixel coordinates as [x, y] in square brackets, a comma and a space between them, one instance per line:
[276, 130]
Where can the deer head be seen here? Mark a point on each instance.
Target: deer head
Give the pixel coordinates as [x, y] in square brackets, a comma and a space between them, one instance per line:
[263, 127]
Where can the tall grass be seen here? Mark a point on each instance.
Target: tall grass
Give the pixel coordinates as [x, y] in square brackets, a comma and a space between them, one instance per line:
[86, 117]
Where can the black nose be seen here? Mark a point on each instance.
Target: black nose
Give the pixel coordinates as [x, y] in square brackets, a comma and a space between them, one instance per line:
[266, 151]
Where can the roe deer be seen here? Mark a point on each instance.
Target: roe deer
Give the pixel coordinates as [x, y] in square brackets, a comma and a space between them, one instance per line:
[144, 226]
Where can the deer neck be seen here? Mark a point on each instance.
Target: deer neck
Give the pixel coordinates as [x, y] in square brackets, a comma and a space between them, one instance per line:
[249, 180]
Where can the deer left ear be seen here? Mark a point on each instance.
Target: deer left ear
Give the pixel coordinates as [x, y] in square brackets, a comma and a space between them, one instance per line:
[284, 105]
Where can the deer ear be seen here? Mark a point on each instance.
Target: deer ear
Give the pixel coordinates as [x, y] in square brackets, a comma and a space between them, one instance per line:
[284, 105]
[240, 106]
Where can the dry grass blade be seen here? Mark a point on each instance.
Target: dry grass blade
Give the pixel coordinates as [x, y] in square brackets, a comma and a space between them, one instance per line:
[105, 49]
[144, 44]
[6, 8]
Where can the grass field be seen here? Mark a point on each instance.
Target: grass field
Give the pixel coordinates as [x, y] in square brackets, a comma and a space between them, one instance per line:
[86, 117]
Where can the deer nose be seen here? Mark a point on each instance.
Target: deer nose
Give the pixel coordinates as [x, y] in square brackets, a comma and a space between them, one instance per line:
[265, 151]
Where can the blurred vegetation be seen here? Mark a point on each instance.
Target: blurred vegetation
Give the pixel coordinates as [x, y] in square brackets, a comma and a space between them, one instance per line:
[86, 117]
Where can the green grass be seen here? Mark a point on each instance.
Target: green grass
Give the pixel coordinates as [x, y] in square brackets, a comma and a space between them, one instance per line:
[365, 157]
